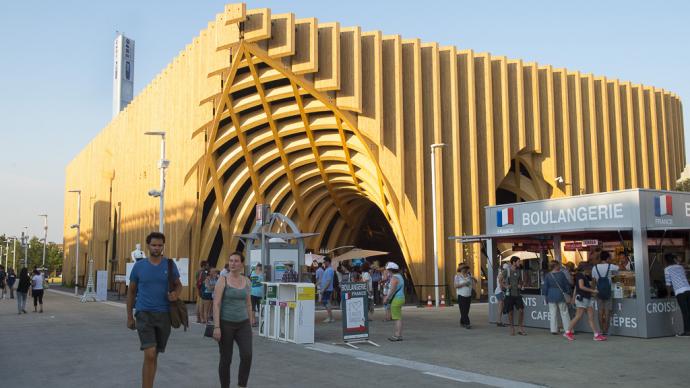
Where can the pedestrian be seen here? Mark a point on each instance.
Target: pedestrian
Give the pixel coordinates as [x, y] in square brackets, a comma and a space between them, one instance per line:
[366, 277]
[3, 282]
[500, 295]
[200, 277]
[463, 288]
[677, 281]
[317, 276]
[22, 290]
[290, 275]
[11, 279]
[232, 320]
[326, 287]
[568, 270]
[556, 289]
[512, 282]
[375, 279]
[396, 298]
[584, 289]
[257, 277]
[385, 290]
[149, 286]
[37, 289]
[602, 273]
[207, 286]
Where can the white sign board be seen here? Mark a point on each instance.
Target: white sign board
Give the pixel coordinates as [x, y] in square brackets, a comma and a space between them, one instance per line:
[102, 286]
[128, 271]
[183, 268]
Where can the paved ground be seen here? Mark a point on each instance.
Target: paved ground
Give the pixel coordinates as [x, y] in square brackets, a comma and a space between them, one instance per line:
[88, 345]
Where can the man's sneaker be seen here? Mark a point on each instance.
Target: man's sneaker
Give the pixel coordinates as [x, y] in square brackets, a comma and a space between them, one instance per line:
[684, 335]
[569, 335]
[599, 337]
[327, 320]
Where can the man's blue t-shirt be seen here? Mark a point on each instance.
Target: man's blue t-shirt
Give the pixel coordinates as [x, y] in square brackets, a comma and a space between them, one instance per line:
[327, 277]
[152, 285]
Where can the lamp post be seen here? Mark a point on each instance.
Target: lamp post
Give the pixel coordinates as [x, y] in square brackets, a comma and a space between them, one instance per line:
[45, 236]
[78, 227]
[162, 165]
[14, 254]
[434, 216]
[25, 244]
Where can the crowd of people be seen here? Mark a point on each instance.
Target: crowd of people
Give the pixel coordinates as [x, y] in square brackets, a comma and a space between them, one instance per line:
[24, 286]
[230, 300]
[566, 287]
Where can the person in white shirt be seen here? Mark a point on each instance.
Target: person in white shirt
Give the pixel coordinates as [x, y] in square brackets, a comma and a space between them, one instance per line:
[677, 280]
[463, 286]
[604, 270]
[37, 289]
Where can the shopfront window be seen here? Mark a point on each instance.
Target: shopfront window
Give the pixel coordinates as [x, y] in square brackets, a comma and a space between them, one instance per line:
[660, 243]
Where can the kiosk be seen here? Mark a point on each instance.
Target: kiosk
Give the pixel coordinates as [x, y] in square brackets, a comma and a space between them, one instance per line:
[288, 312]
[639, 224]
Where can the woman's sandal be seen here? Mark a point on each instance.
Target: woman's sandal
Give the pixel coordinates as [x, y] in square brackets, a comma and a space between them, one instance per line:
[395, 338]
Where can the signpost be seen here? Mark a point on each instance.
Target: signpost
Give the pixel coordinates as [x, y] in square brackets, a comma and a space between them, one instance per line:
[354, 306]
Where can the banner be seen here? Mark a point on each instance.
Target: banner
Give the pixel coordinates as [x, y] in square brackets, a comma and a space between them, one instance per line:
[102, 286]
[354, 306]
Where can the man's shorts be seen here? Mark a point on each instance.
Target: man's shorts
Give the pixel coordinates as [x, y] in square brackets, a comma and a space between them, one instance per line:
[396, 309]
[583, 303]
[153, 329]
[326, 299]
[500, 296]
[513, 302]
[606, 304]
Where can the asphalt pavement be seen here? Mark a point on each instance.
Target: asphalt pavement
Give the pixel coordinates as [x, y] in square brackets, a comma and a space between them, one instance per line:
[75, 344]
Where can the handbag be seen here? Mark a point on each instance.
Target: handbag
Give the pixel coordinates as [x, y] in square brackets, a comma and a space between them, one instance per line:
[208, 331]
[566, 296]
[178, 309]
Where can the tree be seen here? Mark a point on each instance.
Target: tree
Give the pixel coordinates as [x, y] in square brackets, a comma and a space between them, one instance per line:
[54, 254]
[683, 185]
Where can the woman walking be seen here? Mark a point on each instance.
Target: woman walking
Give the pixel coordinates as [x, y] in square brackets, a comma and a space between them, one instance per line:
[463, 288]
[207, 286]
[37, 289]
[232, 320]
[556, 287]
[22, 290]
[396, 299]
[11, 279]
[257, 277]
[583, 301]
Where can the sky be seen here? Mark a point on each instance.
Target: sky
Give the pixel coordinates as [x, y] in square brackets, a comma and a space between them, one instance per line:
[56, 63]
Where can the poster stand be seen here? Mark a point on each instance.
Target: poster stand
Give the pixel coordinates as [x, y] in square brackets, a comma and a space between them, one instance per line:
[354, 304]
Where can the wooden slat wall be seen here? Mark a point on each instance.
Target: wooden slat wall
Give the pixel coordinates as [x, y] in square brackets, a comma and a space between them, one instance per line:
[390, 99]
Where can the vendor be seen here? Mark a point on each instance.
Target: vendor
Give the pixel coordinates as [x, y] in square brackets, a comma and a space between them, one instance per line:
[624, 262]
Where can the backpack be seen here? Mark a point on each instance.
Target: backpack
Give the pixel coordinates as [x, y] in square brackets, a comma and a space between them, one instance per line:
[604, 284]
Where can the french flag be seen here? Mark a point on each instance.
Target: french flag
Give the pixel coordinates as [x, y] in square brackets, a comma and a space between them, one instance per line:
[663, 205]
[504, 217]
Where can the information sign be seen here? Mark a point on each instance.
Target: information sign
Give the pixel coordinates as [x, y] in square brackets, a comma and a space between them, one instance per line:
[354, 306]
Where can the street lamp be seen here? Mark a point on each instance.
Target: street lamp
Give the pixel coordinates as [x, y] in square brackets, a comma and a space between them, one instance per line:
[162, 165]
[78, 227]
[25, 244]
[45, 236]
[7, 250]
[434, 216]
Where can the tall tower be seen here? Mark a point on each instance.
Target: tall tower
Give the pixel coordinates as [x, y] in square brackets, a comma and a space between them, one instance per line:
[123, 79]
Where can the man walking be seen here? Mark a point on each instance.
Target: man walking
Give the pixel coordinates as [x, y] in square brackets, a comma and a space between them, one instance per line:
[326, 287]
[676, 280]
[602, 274]
[148, 284]
[511, 281]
